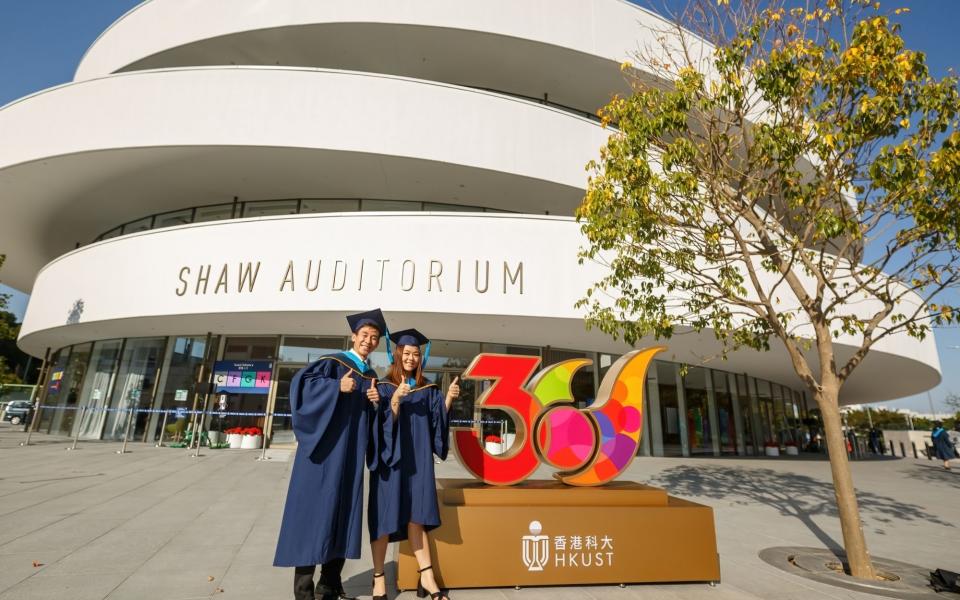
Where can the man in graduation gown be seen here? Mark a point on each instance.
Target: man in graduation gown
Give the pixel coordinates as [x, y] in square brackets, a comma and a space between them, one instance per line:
[332, 414]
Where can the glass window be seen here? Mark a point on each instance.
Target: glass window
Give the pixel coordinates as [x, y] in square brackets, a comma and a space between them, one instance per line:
[385, 205]
[172, 219]
[97, 386]
[450, 207]
[217, 212]
[725, 420]
[270, 208]
[250, 348]
[746, 415]
[765, 403]
[325, 205]
[582, 386]
[140, 225]
[451, 355]
[508, 349]
[246, 348]
[308, 349]
[54, 381]
[135, 386]
[64, 403]
[669, 408]
[111, 234]
[699, 432]
[179, 383]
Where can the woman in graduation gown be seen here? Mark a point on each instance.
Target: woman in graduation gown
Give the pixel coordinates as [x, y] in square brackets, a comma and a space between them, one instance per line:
[403, 491]
[332, 402]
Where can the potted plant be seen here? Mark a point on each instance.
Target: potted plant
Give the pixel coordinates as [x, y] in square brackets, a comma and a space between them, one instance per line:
[771, 448]
[252, 438]
[235, 436]
[792, 448]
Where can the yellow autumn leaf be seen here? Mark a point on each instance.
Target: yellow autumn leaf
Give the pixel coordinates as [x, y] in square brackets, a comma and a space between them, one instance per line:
[904, 123]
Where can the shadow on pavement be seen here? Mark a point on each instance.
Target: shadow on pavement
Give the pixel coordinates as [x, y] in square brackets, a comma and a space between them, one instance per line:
[935, 473]
[792, 495]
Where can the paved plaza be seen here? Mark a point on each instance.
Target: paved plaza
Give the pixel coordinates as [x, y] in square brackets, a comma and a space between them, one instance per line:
[157, 523]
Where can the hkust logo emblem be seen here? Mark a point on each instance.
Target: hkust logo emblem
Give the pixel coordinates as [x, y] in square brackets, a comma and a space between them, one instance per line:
[536, 548]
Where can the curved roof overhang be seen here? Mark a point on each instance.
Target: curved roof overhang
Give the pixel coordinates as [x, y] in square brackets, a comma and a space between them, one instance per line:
[569, 51]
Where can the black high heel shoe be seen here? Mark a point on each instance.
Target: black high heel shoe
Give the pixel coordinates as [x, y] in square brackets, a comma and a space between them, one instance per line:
[382, 596]
[423, 593]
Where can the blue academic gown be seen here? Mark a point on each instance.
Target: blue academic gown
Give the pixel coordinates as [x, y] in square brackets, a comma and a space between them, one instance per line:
[323, 515]
[403, 487]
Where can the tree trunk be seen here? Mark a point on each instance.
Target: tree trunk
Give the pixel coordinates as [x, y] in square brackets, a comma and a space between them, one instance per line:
[854, 542]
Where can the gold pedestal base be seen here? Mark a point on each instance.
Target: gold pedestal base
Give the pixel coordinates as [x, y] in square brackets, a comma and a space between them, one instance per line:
[546, 533]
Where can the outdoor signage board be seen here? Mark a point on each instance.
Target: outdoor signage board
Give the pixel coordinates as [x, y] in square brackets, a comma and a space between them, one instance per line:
[242, 376]
[504, 530]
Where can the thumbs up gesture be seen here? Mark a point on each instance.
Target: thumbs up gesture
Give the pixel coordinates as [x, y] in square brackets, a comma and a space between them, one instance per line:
[348, 383]
[402, 390]
[372, 394]
[454, 390]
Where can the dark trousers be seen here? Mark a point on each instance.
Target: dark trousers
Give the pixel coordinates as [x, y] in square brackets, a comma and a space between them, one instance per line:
[303, 588]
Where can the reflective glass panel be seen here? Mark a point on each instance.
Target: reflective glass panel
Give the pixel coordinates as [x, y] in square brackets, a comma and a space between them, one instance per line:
[384, 205]
[269, 208]
[325, 205]
[699, 432]
[218, 212]
[140, 225]
[172, 219]
[136, 382]
[97, 387]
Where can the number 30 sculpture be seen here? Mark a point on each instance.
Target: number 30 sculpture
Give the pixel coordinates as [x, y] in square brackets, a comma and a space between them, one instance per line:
[589, 447]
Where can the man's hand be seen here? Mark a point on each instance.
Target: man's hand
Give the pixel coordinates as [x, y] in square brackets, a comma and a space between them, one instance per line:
[372, 394]
[348, 383]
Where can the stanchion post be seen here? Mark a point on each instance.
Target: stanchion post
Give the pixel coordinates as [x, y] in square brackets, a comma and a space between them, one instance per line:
[163, 429]
[263, 452]
[914, 444]
[199, 428]
[893, 452]
[903, 450]
[40, 398]
[76, 437]
[126, 432]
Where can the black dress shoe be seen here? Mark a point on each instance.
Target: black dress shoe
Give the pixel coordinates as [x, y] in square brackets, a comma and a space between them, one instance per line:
[328, 592]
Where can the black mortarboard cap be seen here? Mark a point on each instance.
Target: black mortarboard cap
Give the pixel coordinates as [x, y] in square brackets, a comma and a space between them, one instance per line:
[371, 317]
[408, 337]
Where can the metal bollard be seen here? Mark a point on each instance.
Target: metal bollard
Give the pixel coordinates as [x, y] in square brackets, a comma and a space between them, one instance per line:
[76, 438]
[914, 444]
[903, 450]
[163, 430]
[893, 452]
[126, 433]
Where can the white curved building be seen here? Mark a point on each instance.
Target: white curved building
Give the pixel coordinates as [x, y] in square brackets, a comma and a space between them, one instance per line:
[256, 170]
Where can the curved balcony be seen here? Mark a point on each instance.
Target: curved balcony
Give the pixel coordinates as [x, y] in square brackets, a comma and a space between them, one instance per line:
[82, 157]
[485, 277]
[567, 51]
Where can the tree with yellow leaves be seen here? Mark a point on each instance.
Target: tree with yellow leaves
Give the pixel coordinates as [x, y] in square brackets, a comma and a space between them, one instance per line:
[790, 177]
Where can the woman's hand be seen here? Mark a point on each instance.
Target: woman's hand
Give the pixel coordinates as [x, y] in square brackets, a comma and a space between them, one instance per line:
[372, 394]
[403, 390]
[453, 392]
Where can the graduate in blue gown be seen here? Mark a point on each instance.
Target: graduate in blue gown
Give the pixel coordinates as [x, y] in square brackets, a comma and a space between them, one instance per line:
[332, 402]
[403, 491]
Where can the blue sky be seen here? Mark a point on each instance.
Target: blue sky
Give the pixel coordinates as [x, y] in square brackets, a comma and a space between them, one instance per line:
[41, 42]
